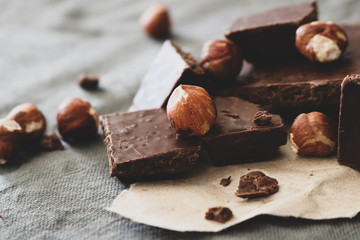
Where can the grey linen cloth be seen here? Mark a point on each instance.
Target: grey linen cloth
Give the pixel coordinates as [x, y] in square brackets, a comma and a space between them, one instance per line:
[44, 46]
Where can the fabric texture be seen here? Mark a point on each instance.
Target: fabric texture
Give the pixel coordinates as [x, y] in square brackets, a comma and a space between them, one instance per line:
[45, 45]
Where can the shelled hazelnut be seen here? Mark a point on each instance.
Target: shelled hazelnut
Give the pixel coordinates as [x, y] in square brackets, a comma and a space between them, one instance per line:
[155, 21]
[222, 61]
[313, 134]
[321, 41]
[11, 137]
[31, 120]
[77, 120]
[190, 110]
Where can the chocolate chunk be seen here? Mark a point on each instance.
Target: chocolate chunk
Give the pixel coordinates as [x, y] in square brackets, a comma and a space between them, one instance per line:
[256, 184]
[298, 83]
[89, 82]
[262, 118]
[143, 143]
[51, 142]
[219, 214]
[270, 36]
[225, 181]
[234, 138]
[349, 122]
[170, 68]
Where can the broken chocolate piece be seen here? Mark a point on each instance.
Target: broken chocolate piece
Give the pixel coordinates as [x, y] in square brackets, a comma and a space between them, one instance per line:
[51, 142]
[219, 214]
[89, 82]
[256, 184]
[262, 118]
[349, 119]
[234, 138]
[298, 83]
[225, 181]
[143, 143]
[270, 36]
[170, 68]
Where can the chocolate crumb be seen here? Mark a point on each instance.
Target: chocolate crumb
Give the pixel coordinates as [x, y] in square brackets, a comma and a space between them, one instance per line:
[1, 216]
[311, 175]
[262, 118]
[256, 184]
[51, 142]
[89, 82]
[225, 181]
[219, 214]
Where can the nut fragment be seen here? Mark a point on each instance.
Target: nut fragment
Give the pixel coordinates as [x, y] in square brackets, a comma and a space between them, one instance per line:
[155, 21]
[225, 181]
[313, 134]
[11, 137]
[31, 120]
[51, 142]
[77, 120]
[262, 118]
[222, 60]
[321, 41]
[219, 214]
[190, 110]
[89, 82]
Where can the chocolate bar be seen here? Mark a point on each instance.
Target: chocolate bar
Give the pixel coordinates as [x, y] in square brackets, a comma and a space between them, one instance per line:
[170, 68]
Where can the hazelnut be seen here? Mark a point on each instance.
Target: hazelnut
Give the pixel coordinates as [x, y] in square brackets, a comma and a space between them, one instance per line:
[321, 41]
[155, 21]
[190, 110]
[88, 82]
[222, 60]
[31, 120]
[313, 134]
[77, 120]
[11, 136]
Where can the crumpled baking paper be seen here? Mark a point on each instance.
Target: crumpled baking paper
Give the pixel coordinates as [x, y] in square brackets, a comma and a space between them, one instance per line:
[312, 188]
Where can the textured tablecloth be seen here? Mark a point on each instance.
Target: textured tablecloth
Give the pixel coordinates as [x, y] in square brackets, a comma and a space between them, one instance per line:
[44, 46]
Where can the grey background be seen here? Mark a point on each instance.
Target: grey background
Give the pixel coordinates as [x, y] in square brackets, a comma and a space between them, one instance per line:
[44, 45]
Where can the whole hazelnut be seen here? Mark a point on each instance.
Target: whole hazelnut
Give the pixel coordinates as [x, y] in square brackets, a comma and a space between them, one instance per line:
[190, 110]
[321, 41]
[11, 136]
[155, 21]
[222, 60]
[31, 120]
[77, 120]
[313, 134]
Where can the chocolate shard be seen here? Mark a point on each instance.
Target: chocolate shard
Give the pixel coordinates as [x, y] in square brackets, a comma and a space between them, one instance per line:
[270, 35]
[298, 83]
[219, 214]
[225, 181]
[234, 138]
[170, 68]
[142, 145]
[349, 119]
[256, 184]
[51, 142]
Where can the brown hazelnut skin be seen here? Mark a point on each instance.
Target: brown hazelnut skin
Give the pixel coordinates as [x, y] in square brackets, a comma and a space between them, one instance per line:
[222, 61]
[155, 21]
[313, 134]
[77, 120]
[321, 41]
[31, 120]
[11, 137]
[191, 111]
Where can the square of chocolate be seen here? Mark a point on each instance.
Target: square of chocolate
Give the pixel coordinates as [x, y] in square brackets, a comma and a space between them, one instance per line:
[170, 68]
[143, 144]
[349, 122]
[235, 138]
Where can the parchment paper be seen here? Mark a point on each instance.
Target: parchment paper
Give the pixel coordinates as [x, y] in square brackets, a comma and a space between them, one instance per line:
[312, 188]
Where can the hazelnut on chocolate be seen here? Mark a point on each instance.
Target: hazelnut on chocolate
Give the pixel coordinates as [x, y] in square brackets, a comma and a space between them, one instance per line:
[321, 41]
[11, 137]
[222, 61]
[155, 21]
[190, 110]
[313, 134]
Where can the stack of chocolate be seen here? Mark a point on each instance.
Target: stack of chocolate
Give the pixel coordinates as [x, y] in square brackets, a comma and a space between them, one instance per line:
[292, 61]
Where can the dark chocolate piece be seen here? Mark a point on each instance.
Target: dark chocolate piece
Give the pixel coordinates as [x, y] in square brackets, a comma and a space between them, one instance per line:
[256, 184]
[51, 142]
[234, 138]
[219, 214]
[262, 118]
[298, 83]
[89, 82]
[349, 122]
[270, 35]
[169, 69]
[225, 181]
[143, 143]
